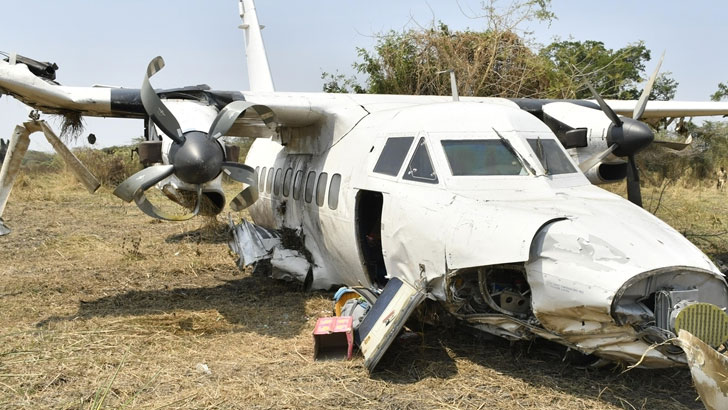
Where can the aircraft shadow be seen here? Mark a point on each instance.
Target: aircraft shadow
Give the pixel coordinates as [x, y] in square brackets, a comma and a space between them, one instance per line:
[253, 303]
[277, 308]
[539, 363]
[218, 234]
[411, 359]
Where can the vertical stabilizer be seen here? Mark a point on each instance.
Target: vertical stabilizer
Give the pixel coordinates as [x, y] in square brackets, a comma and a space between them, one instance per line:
[258, 70]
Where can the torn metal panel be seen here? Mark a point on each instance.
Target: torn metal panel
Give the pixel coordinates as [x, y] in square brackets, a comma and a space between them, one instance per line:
[386, 318]
[505, 326]
[289, 264]
[254, 243]
[584, 275]
[709, 370]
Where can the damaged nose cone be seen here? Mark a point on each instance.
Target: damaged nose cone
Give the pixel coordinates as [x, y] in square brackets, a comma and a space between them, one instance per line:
[198, 159]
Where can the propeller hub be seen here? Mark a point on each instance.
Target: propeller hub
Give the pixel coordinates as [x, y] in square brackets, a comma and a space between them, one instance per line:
[198, 159]
[631, 137]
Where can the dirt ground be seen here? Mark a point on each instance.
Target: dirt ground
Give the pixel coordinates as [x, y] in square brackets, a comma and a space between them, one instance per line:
[105, 307]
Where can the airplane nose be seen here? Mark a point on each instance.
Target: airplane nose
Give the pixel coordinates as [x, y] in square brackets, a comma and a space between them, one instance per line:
[198, 159]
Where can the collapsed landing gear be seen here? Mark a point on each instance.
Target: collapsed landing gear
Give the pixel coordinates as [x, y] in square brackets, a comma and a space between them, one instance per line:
[16, 150]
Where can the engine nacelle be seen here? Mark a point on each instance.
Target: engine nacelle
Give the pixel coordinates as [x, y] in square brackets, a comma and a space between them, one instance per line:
[607, 173]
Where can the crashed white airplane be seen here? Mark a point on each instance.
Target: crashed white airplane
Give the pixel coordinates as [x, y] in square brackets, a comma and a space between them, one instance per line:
[486, 206]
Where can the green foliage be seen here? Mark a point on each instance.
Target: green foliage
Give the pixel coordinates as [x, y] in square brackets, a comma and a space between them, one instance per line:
[613, 73]
[664, 88]
[493, 62]
[721, 93]
[339, 83]
[490, 63]
[499, 61]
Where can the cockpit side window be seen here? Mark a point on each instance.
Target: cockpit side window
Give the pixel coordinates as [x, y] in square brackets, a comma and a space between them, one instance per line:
[420, 167]
[392, 157]
[481, 157]
[552, 157]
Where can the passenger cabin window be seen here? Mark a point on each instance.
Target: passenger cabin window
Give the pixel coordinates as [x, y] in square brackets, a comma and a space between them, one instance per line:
[297, 181]
[310, 181]
[287, 182]
[334, 191]
[552, 157]
[278, 181]
[392, 156]
[420, 167]
[261, 184]
[321, 188]
[269, 181]
[481, 157]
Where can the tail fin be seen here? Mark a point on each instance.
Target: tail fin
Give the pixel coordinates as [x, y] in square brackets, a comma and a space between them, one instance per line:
[258, 68]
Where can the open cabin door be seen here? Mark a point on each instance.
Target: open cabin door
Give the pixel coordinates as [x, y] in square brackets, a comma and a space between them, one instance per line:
[369, 205]
[386, 318]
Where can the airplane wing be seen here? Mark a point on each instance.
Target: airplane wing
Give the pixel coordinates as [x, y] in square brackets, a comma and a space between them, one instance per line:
[653, 109]
[671, 109]
[291, 110]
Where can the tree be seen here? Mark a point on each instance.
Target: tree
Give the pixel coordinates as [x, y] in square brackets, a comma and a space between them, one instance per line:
[613, 73]
[721, 93]
[494, 62]
[485, 64]
[499, 62]
[664, 88]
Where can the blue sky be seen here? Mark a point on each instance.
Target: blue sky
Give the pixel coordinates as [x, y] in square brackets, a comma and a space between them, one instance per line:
[111, 42]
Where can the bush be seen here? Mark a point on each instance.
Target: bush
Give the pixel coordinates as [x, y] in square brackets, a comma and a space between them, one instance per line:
[696, 165]
[110, 165]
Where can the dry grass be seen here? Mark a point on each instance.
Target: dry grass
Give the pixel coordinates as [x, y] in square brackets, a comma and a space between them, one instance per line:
[104, 307]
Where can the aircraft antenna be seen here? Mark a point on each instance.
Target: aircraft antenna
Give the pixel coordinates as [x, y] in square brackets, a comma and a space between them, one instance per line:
[453, 84]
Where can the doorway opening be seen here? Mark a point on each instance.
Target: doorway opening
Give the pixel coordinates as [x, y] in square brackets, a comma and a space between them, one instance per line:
[369, 234]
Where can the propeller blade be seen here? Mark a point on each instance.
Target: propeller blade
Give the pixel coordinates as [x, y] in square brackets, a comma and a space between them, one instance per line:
[639, 109]
[244, 199]
[240, 172]
[595, 159]
[155, 108]
[675, 145]
[605, 108]
[245, 174]
[633, 182]
[79, 170]
[227, 116]
[141, 181]
[148, 208]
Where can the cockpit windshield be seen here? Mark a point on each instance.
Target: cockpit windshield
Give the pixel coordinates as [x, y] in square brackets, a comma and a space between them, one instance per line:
[481, 157]
[552, 157]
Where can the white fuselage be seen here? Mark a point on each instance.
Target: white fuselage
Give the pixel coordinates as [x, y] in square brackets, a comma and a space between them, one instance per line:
[579, 244]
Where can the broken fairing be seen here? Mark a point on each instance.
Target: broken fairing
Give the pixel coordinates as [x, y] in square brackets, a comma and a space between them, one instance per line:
[258, 245]
[709, 370]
